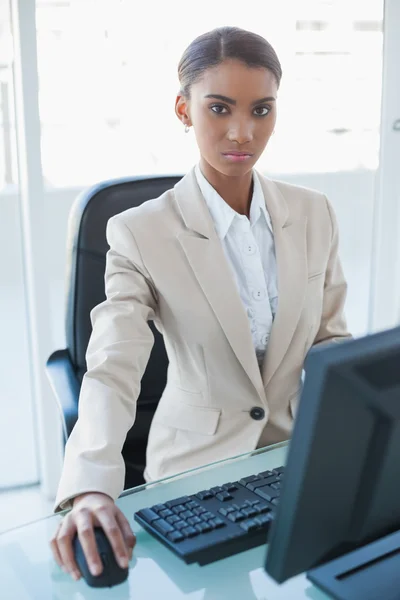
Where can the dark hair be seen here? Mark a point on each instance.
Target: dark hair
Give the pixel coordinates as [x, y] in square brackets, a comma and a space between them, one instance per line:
[211, 48]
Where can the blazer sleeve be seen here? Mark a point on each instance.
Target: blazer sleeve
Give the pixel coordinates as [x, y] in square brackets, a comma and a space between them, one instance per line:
[117, 355]
[333, 327]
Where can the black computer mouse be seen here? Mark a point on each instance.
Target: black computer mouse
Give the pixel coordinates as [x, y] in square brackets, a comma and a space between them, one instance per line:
[112, 573]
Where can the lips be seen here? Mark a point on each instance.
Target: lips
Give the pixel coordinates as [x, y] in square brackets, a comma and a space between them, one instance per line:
[236, 153]
[236, 156]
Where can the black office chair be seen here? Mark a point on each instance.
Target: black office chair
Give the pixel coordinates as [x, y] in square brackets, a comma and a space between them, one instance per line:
[86, 254]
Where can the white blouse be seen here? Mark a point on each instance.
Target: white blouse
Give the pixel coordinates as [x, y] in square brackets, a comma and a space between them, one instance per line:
[249, 247]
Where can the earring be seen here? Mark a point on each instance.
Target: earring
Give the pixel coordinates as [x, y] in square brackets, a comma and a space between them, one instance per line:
[187, 128]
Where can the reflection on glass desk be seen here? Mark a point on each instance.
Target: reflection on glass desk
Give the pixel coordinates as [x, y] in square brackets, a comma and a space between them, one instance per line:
[28, 572]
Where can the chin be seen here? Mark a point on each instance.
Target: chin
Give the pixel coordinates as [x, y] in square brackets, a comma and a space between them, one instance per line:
[236, 170]
[233, 169]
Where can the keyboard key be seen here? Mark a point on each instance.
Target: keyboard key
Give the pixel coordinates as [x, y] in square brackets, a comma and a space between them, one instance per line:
[158, 507]
[225, 511]
[224, 496]
[264, 519]
[192, 504]
[277, 485]
[275, 501]
[165, 513]
[203, 527]
[207, 515]
[162, 526]
[236, 516]
[194, 521]
[279, 470]
[177, 501]
[199, 511]
[266, 493]
[148, 515]
[251, 503]
[216, 523]
[270, 480]
[216, 490]
[178, 509]
[173, 519]
[245, 480]
[249, 512]
[249, 525]
[244, 510]
[189, 532]
[256, 484]
[175, 536]
[230, 487]
[186, 514]
[263, 508]
[265, 474]
[204, 495]
[180, 525]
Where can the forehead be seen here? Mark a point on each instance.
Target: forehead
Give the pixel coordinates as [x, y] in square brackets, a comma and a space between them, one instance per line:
[238, 81]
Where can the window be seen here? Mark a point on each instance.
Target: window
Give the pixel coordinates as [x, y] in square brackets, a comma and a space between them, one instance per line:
[18, 418]
[8, 160]
[108, 83]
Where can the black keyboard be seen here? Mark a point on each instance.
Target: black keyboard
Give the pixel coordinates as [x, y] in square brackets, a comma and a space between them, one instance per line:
[218, 522]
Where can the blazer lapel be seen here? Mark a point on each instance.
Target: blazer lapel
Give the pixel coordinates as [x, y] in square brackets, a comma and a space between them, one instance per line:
[206, 257]
[291, 258]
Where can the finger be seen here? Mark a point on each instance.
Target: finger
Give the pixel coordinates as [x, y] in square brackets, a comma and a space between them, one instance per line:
[55, 550]
[106, 518]
[84, 525]
[65, 536]
[129, 537]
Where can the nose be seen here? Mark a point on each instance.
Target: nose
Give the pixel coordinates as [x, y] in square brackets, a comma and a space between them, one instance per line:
[240, 131]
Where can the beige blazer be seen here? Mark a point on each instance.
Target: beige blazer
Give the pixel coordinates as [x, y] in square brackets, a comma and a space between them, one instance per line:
[166, 263]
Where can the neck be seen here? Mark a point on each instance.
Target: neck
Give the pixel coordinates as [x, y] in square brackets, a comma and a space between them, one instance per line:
[236, 191]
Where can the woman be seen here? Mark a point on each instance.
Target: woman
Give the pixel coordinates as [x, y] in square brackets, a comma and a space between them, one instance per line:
[240, 273]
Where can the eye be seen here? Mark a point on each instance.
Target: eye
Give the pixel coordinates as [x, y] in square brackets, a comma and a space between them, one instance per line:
[219, 109]
[262, 111]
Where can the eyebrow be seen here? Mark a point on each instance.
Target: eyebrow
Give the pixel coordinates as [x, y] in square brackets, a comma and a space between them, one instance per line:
[233, 102]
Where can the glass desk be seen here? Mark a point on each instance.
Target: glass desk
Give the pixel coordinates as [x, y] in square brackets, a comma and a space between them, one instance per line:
[28, 571]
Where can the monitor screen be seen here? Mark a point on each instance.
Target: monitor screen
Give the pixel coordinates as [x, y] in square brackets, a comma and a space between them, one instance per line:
[341, 483]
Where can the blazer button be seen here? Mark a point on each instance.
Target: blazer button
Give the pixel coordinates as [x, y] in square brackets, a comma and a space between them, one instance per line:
[257, 413]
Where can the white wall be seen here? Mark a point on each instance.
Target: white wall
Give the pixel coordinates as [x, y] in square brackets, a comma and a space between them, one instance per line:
[352, 195]
[17, 419]
[385, 300]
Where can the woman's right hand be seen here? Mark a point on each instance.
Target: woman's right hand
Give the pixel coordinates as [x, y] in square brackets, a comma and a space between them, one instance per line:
[92, 510]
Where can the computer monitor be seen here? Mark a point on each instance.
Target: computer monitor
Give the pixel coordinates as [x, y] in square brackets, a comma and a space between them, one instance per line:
[341, 487]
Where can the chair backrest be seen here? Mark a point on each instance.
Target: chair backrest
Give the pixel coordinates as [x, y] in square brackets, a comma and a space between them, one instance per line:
[86, 255]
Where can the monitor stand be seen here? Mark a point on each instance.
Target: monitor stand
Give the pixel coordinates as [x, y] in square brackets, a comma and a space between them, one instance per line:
[369, 573]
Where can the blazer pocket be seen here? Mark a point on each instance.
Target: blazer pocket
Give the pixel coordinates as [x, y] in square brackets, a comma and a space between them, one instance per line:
[315, 275]
[188, 417]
